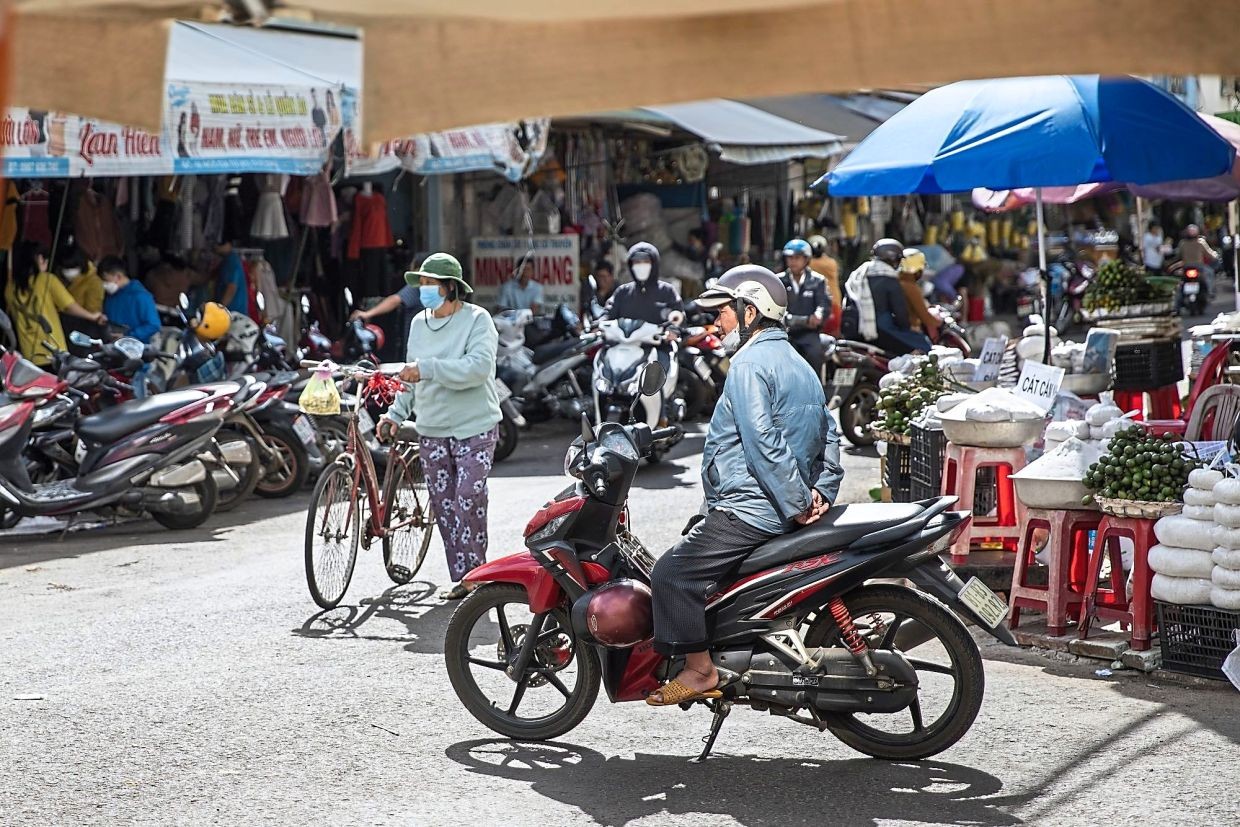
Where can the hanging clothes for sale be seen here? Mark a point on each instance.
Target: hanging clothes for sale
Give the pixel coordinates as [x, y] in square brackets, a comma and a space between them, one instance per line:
[34, 215]
[318, 202]
[8, 216]
[269, 221]
[234, 210]
[184, 239]
[369, 240]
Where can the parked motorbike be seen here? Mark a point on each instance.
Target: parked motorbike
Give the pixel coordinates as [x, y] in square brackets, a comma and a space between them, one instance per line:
[853, 370]
[628, 345]
[804, 630]
[137, 456]
[544, 373]
[703, 369]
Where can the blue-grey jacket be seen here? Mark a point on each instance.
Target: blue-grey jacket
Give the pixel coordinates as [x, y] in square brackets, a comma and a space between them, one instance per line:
[771, 440]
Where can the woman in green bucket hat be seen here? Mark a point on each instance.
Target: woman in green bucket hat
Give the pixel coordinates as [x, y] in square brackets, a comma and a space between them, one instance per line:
[451, 363]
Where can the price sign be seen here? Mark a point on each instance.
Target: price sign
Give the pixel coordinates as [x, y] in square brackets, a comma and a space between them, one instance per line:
[1039, 384]
[990, 360]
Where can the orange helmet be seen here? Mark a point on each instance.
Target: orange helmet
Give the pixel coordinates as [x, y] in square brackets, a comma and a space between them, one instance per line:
[213, 322]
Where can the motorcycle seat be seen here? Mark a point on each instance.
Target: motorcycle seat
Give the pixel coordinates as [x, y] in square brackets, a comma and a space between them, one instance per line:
[118, 422]
[546, 352]
[841, 526]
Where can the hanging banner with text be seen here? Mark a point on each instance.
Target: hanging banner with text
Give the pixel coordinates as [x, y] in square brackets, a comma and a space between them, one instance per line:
[208, 128]
[512, 150]
[556, 263]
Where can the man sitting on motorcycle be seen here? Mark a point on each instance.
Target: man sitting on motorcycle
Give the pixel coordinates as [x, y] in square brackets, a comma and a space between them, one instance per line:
[771, 461]
[809, 303]
[875, 309]
[645, 297]
[912, 266]
[1194, 251]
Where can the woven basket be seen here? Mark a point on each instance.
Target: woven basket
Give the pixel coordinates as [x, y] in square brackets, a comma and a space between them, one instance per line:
[892, 437]
[1136, 508]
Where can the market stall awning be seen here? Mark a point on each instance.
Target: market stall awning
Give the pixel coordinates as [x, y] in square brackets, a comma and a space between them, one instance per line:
[823, 112]
[441, 64]
[743, 134]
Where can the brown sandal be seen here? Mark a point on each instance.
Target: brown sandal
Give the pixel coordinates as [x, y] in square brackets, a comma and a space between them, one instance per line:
[674, 692]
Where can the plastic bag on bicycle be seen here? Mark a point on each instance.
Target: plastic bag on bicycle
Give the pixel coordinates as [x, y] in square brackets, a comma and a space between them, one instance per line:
[320, 397]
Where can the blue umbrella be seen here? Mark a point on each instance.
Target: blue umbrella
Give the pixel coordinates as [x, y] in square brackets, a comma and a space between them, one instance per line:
[1054, 131]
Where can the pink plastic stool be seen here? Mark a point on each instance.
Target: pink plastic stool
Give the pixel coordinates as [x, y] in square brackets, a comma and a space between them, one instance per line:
[961, 464]
[1068, 546]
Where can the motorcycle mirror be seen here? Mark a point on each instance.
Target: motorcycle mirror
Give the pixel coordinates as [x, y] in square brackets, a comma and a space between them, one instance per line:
[587, 431]
[651, 380]
[184, 302]
[79, 338]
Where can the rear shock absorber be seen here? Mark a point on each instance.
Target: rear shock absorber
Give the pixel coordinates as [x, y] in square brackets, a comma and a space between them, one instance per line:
[850, 636]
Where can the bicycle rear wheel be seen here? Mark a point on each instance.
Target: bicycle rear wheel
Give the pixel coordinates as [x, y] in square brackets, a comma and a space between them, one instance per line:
[409, 520]
[332, 534]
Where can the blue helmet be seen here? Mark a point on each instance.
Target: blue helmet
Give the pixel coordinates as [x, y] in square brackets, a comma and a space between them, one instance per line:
[798, 247]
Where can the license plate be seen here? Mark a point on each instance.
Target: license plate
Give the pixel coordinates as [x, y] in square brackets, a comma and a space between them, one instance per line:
[845, 378]
[304, 428]
[501, 388]
[364, 421]
[983, 602]
[1191, 289]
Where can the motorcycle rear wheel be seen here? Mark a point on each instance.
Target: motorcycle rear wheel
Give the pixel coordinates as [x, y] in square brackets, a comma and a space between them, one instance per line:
[469, 646]
[233, 497]
[959, 659]
[857, 415]
[287, 478]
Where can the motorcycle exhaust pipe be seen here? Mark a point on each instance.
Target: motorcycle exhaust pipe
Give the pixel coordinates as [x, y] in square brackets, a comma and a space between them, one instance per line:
[179, 476]
[174, 502]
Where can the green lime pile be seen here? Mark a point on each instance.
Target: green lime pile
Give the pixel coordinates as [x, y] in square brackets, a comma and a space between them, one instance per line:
[1138, 466]
[1118, 284]
[899, 404]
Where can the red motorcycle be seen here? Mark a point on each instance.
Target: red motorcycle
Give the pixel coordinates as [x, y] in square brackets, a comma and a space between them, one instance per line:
[801, 631]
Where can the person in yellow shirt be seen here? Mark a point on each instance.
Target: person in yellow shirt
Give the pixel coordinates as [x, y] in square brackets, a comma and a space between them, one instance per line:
[83, 281]
[35, 299]
[826, 266]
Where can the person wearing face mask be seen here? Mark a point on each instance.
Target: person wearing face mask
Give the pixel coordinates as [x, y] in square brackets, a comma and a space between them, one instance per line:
[771, 462]
[35, 300]
[451, 365]
[83, 280]
[809, 303]
[128, 303]
[645, 297]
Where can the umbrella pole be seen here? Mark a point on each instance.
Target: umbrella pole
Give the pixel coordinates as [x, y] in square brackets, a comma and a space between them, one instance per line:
[1235, 250]
[1046, 278]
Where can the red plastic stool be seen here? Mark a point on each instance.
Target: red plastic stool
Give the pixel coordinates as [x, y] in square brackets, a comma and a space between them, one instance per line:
[961, 464]
[1066, 579]
[1164, 403]
[1112, 603]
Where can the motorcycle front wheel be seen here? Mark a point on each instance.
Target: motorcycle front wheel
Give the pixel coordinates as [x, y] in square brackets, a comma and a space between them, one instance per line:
[483, 641]
[951, 681]
[857, 414]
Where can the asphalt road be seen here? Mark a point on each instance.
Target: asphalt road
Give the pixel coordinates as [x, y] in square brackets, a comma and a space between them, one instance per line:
[187, 678]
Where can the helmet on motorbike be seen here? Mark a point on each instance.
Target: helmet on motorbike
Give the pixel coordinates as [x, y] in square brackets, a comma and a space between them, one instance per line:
[644, 252]
[243, 335]
[750, 284]
[370, 338]
[888, 250]
[818, 244]
[618, 614]
[798, 247]
[213, 322]
[914, 261]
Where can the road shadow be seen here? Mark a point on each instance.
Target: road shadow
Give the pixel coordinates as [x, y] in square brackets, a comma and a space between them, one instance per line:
[753, 791]
[31, 549]
[416, 606]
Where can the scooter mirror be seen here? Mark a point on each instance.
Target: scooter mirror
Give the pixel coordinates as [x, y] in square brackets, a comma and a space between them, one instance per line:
[587, 431]
[79, 338]
[184, 301]
[651, 381]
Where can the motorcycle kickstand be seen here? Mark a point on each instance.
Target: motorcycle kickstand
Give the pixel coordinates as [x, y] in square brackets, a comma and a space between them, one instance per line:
[722, 708]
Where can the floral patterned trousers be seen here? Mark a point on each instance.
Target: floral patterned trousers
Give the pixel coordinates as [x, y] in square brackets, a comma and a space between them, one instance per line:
[456, 474]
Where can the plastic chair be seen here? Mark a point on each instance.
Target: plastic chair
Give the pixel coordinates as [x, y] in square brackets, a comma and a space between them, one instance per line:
[1213, 373]
[1215, 414]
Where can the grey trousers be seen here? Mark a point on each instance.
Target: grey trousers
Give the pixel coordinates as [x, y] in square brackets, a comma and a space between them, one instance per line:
[690, 571]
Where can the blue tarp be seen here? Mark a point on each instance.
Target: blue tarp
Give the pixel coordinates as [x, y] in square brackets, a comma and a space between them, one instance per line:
[1049, 131]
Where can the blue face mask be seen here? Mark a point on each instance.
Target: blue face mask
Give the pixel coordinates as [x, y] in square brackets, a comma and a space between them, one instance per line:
[430, 296]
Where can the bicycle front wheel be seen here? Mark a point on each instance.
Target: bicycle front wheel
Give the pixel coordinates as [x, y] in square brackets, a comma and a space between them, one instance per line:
[332, 533]
[409, 523]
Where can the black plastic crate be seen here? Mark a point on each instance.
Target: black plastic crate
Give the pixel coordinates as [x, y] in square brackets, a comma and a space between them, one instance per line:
[1153, 363]
[928, 447]
[1196, 639]
[897, 472]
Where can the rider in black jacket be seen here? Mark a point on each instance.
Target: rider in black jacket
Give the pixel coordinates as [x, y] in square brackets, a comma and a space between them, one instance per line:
[809, 303]
[645, 297]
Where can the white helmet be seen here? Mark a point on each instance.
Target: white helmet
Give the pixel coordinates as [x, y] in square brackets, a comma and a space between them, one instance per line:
[750, 284]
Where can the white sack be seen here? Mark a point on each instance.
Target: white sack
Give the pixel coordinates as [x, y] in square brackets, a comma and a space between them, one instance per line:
[1225, 598]
[1225, 578]
[1204, 479]
[1184, 591]
[1227, 491]
[1205, 513]
[1196, 496]
[1181, 562]
[1181, 532]
[1227, 515]
[1227, 558]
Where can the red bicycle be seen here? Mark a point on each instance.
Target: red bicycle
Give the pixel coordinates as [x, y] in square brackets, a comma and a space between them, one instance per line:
[398, 513]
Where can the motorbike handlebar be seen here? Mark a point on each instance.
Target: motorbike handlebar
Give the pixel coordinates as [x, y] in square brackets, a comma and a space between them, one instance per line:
[660, 434]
